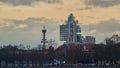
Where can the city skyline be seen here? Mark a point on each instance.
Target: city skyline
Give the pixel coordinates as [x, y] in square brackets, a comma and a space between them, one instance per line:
[21, 21]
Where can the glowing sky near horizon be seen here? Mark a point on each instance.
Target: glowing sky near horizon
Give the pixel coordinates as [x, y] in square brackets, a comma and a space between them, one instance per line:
[21, 21]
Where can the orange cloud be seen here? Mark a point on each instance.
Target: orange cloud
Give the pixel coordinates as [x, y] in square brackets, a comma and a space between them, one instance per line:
[89, 16]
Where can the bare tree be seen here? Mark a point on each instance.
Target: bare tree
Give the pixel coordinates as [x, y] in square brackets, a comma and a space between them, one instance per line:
[28, 47]
[114, 39]
[52, 42]
[21, 46]
[39, 47]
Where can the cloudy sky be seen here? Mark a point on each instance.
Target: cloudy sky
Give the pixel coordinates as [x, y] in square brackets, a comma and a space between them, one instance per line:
[21, 21]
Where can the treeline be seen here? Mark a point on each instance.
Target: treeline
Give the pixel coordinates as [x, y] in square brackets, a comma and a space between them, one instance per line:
[13, 55]
[98, 54]
[72, 54]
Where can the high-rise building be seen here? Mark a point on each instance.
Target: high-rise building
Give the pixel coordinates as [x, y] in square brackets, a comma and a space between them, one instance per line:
[70, 31]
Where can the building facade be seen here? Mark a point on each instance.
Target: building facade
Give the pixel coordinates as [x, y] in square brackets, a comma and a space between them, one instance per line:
[70, 31]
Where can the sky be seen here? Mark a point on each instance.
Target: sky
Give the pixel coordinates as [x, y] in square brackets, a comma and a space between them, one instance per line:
[21, 21]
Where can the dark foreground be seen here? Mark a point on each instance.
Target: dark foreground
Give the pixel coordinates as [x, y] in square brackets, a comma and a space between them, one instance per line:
[65, 67]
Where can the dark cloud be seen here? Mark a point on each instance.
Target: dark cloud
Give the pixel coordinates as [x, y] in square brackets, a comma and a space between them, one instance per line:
[108, 26]
[32, 23]
[102, 3]
[28, 2]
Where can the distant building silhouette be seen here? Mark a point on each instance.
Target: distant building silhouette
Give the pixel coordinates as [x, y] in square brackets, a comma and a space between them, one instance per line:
[70, 32]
